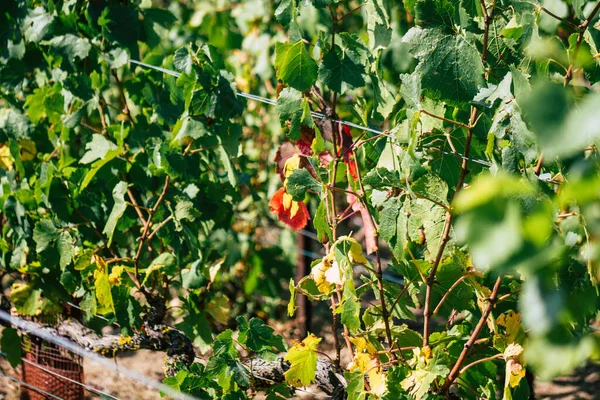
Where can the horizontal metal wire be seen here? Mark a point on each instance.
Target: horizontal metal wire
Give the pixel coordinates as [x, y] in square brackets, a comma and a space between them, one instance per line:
[313, 113]
[74, 348]
[81, 384]
[28, 386]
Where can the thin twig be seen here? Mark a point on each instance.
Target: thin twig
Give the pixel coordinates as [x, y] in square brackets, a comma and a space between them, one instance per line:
[445, 237]
[346, 332]
[351, 11]
[136, 206]
[91, 128]
[163, 223]
[582, 28]
[456, 369]
[145, 233]
[126, 110]
[447, 294]
[451, 121]
[334, 327]
[572, 25]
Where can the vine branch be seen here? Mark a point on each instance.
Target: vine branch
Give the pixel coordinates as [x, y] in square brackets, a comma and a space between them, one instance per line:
[582, 28]
[456, 369]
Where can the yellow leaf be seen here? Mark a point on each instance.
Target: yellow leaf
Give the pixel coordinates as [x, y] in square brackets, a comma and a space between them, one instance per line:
[366, 360]
[115, 275]
[362, 345]
[355, 254]
[28, 150]
[102, 284]
[6, 160]
[512, 322]
[303, 362]
[514, 368]
[513, 351]
[291, 164]
[219, 309]
[320, 275]
[377, 382]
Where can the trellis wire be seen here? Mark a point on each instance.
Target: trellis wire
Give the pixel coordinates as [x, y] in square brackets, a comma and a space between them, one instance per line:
[28, 326]
[28, 386]
[72, 347]
[81, 384]
[313, 113]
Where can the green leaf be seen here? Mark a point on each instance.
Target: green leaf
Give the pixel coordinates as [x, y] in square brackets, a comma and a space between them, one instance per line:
[321, 224]
[182, 60]
[580, 129]
[11, 346]
[393, 225]
[450, 66]
[259, 337]
[301, 181]
[435, 13]
[70, 45]
[291, 308]
[384, 100]
[37, 24]
[285, 12]
[378, 25]
[165, 262]
[26, 299]
[356, 385]
[491, 215]
[96, 166]
[117, 211]
[410, 89]
[303, 362]
[512, 30]
[66, 249]
[295, 67]
[488, 96]
[46, 101]
[339, 73]
[97, 148]
[44, 233]
[291, 106]
[224, 344]
[431, 186]
[579, 6]
[382, 178]
[351, 308]
[191, 128]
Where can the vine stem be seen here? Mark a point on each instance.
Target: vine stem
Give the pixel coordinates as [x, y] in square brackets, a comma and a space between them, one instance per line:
[582, 28]
[379, 270]
[447, 294]
[550, 13]
[456, 369]
[495, 356]
[487, 18]
[450, 121]
[427, 313]
[135, 204]
[334, 327]
[101, 236]
[346, 331]
[146, 231]
[126, 110]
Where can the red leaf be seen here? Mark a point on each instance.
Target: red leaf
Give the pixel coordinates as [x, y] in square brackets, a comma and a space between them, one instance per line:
[296, 221]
